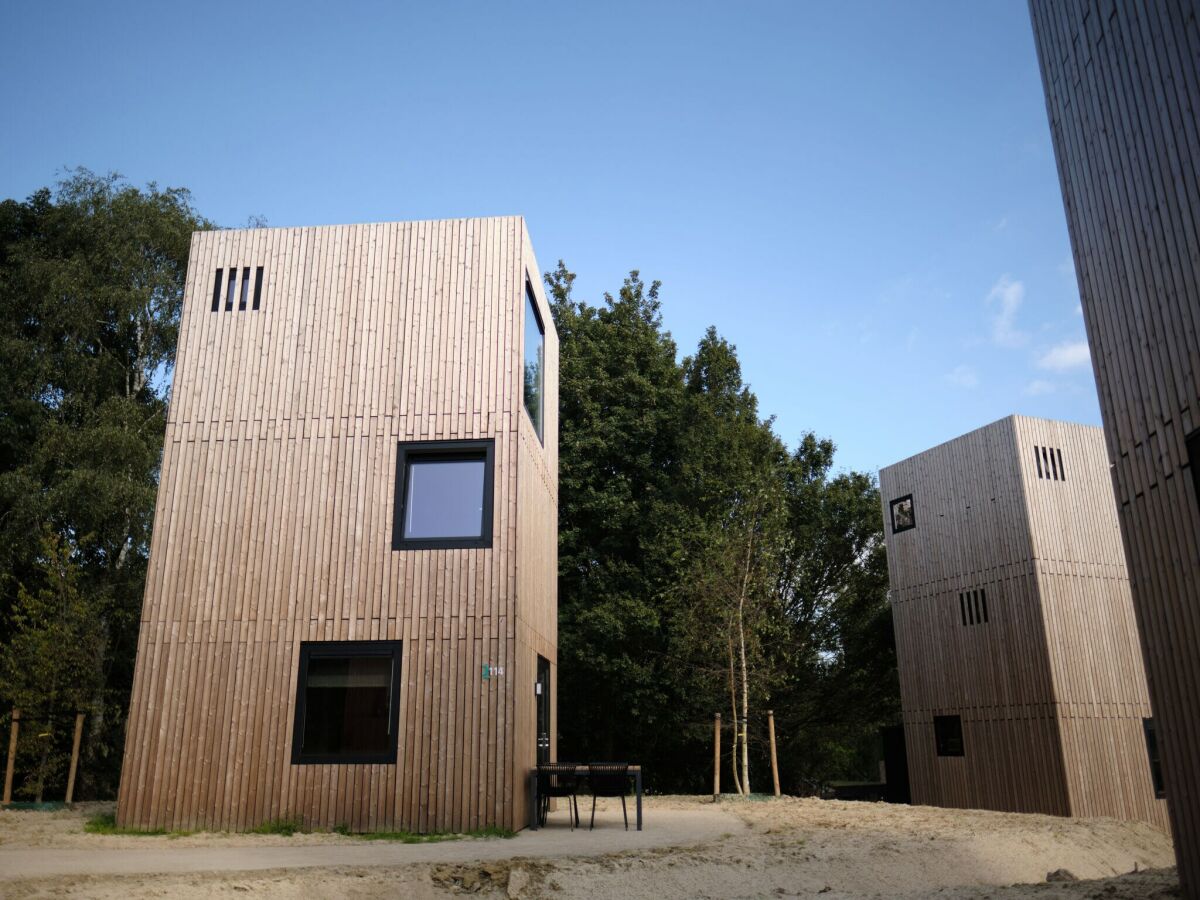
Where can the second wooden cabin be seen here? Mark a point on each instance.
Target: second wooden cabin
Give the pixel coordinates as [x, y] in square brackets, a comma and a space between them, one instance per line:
[1021, 675]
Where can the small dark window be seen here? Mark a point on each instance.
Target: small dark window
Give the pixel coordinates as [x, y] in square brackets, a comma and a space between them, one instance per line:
[216, 307]
[443, 495]
[347, 702]
[947, 732]
[535, 362]
[258, 276]
[230, 289]
[903, 517]
[1156, 775]
[1193, 452]
[1062, 472]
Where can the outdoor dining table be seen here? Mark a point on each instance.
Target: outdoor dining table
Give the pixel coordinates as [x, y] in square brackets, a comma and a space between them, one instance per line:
[635, 772]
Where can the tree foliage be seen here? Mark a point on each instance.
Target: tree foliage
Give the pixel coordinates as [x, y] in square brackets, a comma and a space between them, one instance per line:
[91, 284]
[704, 567]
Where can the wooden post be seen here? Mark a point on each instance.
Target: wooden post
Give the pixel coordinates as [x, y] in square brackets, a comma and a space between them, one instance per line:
[774, 759]
[12, 756]
[717, 758]
[74, 756]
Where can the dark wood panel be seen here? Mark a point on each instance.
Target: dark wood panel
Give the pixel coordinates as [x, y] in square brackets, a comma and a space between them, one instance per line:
[1122, 83]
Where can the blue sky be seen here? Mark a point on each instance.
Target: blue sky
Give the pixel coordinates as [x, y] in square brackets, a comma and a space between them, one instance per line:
[861, 196]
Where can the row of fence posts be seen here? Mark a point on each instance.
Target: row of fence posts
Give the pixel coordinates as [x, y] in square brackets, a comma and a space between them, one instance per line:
[717, 754]
[12, 756]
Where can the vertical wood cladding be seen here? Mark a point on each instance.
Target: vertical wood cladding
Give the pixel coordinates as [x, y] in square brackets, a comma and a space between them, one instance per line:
[1122, 83]
[1050, 687]
[274, 522]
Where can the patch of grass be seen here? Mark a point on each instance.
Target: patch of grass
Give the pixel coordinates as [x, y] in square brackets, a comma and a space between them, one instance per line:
[106, 823]
[342, 829]
[433, 837]
[285, 827]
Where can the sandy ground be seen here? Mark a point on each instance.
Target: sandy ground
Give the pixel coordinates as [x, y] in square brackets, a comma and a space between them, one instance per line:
[690, 848]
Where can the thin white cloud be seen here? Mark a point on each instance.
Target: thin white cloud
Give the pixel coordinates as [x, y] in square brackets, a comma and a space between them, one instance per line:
[963, 376]
[1038, 387]
[1007, 295]
[1067, 355]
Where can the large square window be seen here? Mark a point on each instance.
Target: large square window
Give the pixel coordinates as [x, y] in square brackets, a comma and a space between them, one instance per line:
[443, 495]
[347, 702]
[903, 517]
[535, 362]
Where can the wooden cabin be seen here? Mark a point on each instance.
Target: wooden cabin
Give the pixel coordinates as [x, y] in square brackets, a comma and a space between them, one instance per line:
[1122, 84]
[1021, 677]
[350, 614]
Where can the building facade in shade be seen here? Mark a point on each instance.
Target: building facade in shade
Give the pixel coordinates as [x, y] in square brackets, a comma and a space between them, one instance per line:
[1122, 83]
[1021, 678]
[350, 612]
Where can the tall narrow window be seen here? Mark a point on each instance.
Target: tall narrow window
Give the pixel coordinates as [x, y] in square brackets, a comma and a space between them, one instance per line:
[230, 289]
[258, 276]
[216, 307]
[347, 702]
[535, 362]
[1156, 776]
[443, 495]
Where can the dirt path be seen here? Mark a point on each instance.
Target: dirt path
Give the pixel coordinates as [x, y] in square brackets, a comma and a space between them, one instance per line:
[690, 848]
[238, 853]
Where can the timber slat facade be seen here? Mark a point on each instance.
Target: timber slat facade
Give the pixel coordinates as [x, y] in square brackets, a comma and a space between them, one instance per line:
[1012, 612]
[1122, 84]
[274, 526]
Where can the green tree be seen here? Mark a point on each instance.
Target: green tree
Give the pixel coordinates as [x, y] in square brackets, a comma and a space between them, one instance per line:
[50, 667]
[620, 398]
[91, 284]
[703, 567]
[732, 487]
[842, 684]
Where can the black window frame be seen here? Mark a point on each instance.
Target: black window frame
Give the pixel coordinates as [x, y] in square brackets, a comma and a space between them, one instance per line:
[444, 451]
[531, 303]
[942, 740]
[892, 511]
[310, 649]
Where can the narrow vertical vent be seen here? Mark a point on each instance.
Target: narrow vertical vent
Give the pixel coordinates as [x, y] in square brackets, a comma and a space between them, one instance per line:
[258, 273]
[245, 288]
[217, 291]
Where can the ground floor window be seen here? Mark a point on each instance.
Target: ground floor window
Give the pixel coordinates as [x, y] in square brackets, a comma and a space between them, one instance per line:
[947, 732]
[347, 702]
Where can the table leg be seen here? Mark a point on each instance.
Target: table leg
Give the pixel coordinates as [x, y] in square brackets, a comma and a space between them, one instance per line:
[638, 781]
[534, 802]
